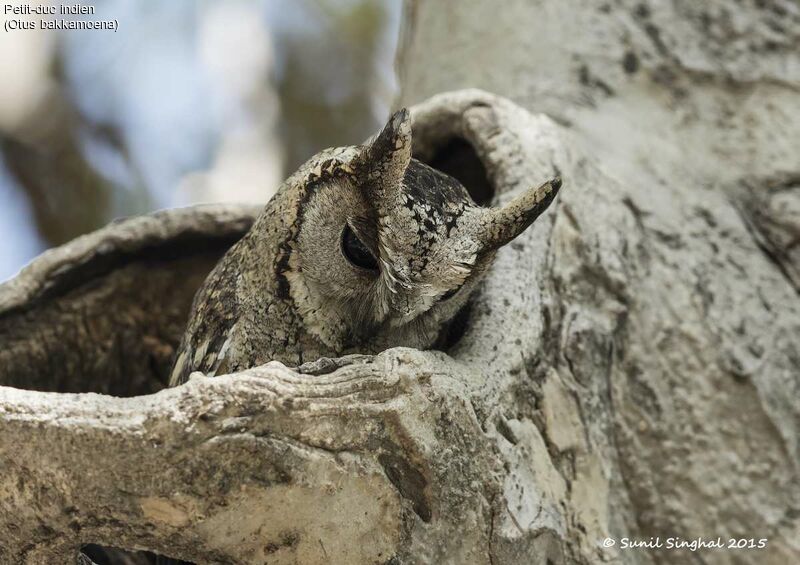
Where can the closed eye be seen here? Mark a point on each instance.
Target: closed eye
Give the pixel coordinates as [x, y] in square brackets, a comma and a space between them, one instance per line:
[356, 253]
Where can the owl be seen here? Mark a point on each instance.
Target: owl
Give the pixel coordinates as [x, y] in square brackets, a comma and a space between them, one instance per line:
[362, 249]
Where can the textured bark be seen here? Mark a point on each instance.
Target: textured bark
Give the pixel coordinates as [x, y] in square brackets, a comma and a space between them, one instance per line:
[630, 367]
[676, 321]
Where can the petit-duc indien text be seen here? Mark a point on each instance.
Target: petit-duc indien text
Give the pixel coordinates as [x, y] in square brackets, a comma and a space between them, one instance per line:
[51, 17]
[48, 9]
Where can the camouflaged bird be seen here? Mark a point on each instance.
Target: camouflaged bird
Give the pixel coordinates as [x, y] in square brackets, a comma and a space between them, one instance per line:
[363, 248]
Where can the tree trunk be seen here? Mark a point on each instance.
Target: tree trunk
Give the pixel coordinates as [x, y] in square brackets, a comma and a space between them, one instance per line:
[673, 266]
[629, 369]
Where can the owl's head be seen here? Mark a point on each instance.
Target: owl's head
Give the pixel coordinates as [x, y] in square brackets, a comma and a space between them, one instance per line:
[389, 249]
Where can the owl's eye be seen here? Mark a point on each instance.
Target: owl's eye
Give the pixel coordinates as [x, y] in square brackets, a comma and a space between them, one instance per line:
[356, 252]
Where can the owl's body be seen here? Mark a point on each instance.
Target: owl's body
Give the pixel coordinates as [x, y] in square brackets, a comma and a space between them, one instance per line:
[363, 248]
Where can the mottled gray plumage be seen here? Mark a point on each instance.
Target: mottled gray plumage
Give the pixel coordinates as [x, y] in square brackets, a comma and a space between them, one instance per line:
[289, 290]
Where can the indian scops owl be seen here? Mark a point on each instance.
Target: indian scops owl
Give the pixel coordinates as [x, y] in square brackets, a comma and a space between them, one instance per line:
[362, 249]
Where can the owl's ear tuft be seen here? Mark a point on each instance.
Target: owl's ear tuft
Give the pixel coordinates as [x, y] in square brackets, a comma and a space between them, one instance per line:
[385, 158]
[501, 225]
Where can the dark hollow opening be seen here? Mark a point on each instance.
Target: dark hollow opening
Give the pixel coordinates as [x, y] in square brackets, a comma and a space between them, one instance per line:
[459, 159]
[99, 555]
[456, 329]
[109, 326]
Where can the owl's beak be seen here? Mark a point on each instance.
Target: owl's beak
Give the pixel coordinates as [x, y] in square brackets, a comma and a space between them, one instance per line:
[501, 225]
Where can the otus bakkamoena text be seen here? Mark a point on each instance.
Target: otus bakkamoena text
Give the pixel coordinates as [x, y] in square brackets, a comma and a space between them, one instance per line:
[363, 248]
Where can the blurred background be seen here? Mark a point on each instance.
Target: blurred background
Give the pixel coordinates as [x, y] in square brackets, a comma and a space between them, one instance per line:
[189, 101]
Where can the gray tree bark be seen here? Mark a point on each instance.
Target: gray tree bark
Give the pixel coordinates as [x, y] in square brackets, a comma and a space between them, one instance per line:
[630, 367]
[674, 258]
